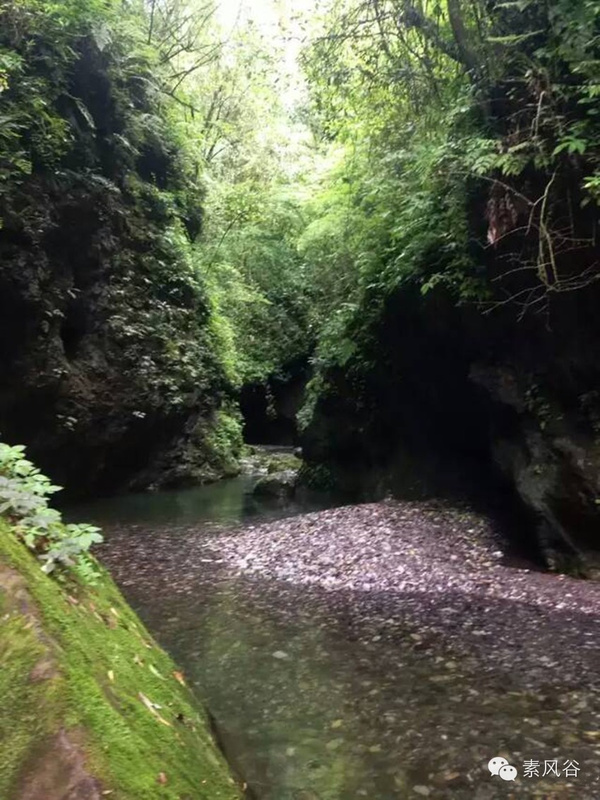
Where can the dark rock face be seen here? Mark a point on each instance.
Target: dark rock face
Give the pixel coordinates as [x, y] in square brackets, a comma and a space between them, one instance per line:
[88, 380]
[108, 369]
[269, 409]
[441, 398]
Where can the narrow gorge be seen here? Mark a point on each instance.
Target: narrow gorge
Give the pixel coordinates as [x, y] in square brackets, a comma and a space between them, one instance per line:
[300, 363]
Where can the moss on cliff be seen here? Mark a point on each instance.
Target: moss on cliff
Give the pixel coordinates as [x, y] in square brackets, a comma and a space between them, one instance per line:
[114, 370]
[90, 702]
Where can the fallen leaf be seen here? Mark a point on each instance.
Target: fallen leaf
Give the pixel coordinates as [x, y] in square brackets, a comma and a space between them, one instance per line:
[179, 677]
[451, 776]
[154, 671]
[148, 703]
[152, 708]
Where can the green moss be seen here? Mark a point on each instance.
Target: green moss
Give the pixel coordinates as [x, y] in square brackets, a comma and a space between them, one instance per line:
[283, 461]
[103, 665]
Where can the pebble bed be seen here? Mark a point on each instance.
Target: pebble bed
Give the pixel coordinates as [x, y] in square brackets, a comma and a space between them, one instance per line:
[461, 657]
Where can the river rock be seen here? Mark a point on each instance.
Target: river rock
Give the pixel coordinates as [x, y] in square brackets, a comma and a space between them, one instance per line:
[279, 484]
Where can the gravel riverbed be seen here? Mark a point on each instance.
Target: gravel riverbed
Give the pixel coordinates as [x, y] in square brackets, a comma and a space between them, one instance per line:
[388, 636]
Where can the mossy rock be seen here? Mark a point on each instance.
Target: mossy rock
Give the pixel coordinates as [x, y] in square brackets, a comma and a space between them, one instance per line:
[279, 485]
[91, 706]
[281, 462]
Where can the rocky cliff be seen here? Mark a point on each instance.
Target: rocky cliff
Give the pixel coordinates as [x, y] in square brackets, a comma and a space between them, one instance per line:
[109, 367]
[445, 398]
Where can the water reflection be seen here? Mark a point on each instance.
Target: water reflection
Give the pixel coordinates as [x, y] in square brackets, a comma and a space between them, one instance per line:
[225, 502]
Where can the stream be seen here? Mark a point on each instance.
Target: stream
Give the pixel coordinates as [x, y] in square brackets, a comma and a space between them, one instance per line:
[377, 651]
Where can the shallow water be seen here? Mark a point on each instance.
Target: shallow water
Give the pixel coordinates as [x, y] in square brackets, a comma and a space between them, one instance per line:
[334, 695]
[227, 502]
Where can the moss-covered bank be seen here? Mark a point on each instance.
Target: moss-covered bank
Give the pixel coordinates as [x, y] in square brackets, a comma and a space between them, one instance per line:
[91, 706]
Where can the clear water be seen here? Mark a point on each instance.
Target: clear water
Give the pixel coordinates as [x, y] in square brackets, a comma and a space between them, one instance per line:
[312, 699]
[228, 502]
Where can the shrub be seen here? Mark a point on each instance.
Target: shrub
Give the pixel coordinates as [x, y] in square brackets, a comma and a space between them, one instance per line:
[24, 493]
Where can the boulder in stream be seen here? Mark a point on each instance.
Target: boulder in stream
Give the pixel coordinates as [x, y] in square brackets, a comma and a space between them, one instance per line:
[277, 484]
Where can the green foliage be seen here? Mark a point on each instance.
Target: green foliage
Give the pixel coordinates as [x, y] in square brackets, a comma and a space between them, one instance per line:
[38, 43]
[452, 147]
[24, 494]
[462, 132]
[259, 285]
[225, 440]
[410, 97]
[102, 170]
